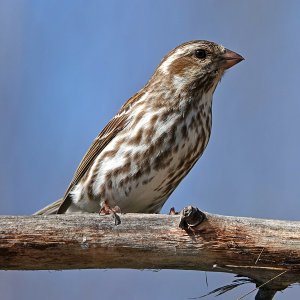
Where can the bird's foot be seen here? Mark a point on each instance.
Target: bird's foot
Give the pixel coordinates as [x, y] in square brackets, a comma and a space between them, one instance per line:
[191, 217]
[173, 211]
[107, 210]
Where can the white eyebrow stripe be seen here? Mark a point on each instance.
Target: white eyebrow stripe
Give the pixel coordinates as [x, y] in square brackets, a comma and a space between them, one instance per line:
[178, 53]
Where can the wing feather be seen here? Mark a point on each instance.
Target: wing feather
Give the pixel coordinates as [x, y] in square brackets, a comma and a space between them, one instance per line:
[117, 124]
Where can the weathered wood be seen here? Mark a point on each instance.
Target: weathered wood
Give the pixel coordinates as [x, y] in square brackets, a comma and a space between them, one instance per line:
[256, 248]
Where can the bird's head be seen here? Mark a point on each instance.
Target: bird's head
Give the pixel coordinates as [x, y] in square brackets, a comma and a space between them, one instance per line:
[197, 64]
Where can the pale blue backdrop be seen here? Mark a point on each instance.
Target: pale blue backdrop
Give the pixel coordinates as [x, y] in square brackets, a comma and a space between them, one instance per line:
[67, 66]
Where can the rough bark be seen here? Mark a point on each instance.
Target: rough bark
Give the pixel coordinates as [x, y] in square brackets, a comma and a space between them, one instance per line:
[255, 248]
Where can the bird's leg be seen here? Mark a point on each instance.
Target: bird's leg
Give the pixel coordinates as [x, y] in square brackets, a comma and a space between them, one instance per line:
[107, 210]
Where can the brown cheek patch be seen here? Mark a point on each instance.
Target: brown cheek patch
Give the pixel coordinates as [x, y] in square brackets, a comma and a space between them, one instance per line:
[180, 65]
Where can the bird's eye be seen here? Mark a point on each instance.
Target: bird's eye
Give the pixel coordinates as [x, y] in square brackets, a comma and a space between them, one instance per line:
[200, 53]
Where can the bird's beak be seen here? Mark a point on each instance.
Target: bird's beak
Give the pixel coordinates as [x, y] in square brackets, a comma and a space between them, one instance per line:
[230, 58]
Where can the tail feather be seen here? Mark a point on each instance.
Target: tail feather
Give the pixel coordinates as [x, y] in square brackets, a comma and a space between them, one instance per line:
[50, 209]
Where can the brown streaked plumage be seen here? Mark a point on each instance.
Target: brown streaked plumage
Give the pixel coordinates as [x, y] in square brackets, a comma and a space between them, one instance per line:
[144, 152]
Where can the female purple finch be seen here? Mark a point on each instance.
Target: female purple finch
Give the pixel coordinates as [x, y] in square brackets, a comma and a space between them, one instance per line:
[143, 153]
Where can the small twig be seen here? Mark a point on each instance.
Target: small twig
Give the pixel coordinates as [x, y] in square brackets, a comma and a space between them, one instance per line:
[206, 280]
[262, 285]
[262, 250]
[253, 267]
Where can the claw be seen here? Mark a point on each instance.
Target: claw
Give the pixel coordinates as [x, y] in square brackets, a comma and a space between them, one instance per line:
[173, 211]
[107, 210]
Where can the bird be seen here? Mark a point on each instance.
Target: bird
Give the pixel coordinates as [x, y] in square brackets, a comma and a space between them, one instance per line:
[155, 139]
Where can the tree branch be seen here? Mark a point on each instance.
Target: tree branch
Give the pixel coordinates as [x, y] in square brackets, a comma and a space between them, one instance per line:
[255, 248]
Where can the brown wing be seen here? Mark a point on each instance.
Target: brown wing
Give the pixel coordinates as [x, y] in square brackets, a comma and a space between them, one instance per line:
[117, 124]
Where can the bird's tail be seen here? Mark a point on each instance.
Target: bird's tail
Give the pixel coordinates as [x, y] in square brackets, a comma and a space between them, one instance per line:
[50, 209]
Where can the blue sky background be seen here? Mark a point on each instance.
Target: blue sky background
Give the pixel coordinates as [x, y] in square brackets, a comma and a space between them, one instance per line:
[67, 67]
